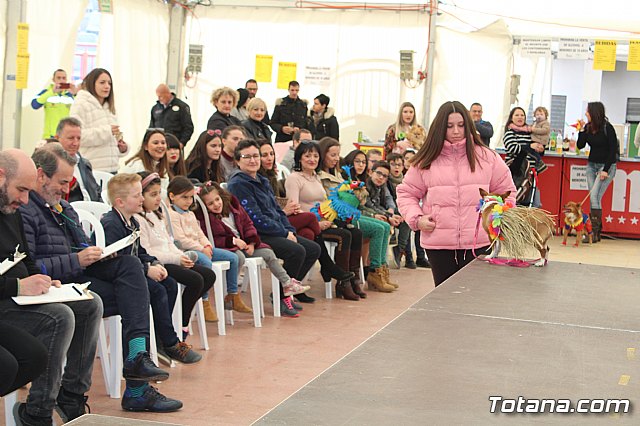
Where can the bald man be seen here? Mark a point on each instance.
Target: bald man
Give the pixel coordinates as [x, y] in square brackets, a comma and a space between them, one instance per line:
[67, 330]
[172, 115]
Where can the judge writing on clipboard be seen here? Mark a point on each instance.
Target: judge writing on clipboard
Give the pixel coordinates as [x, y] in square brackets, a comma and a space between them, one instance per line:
[61, 329]
[56, 240]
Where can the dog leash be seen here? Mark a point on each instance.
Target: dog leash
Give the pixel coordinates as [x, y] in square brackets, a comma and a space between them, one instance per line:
[589, 193]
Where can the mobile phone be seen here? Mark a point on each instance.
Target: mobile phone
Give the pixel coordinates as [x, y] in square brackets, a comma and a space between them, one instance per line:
[64, 85]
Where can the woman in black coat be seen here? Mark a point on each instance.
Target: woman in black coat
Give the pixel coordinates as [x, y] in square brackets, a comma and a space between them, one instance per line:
[254, 126]
[321, 121]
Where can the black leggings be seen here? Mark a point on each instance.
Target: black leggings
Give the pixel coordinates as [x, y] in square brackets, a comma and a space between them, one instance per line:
[197, 281]
[445, 263]
[22, 358]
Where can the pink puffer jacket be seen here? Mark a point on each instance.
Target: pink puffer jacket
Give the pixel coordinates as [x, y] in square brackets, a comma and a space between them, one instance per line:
[449, 194]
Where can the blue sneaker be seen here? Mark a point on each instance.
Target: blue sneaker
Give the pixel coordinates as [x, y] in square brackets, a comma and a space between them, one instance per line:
[141, 368]
[151, 400]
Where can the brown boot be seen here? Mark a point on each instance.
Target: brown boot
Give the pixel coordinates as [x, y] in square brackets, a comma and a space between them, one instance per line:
[209, 312]
[237, 304]
[343, 289]
[357, 288]
[387, 279]
[376, 281]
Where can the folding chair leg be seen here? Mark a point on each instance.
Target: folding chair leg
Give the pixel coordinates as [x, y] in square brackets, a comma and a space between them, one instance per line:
[254, 283]
[202, 327]
[115, 355]
[275, 290]
[103, 353]
[218, 290]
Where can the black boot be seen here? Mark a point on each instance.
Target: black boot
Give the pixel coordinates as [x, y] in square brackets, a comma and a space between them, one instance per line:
[596, 223]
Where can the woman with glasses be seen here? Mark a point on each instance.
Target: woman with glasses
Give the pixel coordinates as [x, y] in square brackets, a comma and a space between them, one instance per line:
[203, 162]
[305, 187]
[305, 223]
[151, 157]
[102, 142]
[254, 126]
[255, 195]
[375, 230]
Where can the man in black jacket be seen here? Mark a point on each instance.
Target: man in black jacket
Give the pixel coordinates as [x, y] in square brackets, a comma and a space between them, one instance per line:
[67, 330]
[484, 128]
[83, 186]
[172, 115]
[289, 115]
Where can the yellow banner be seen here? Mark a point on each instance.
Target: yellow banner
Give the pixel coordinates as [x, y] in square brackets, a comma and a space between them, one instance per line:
[286, 73]
[22, 71]
[264, 66]
[604, 57]
[23, 38]
[633, 61]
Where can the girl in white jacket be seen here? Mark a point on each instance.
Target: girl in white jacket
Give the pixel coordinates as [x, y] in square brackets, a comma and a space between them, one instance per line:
[102, 142]
[157, 241]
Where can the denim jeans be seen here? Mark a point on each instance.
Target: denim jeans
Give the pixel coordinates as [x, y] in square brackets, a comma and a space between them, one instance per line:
[599, 186]
[67, 330]
[163, 296]
[122, 285]
[234, 266]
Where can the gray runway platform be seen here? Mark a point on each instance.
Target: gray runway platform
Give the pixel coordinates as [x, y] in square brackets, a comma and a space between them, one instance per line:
[564, 331]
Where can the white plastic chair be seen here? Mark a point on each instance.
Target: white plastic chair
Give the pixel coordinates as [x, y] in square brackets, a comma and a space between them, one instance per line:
[9, 401]
[91, 226]
[96, 208]
[331, 248]
[283, 172]
[102, 179]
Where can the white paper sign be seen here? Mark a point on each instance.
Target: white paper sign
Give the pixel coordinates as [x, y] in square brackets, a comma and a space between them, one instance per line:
[317, 75]
[533, 47]
[573, 48]
[578, 178]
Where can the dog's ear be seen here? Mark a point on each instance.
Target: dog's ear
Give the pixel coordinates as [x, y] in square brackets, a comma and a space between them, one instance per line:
[483, 193]
[505, 196]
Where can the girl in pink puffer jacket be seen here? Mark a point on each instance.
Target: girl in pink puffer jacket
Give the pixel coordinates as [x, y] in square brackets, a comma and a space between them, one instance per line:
[445, 175]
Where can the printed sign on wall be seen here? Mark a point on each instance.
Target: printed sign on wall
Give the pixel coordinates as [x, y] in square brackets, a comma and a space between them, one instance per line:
[578, 178]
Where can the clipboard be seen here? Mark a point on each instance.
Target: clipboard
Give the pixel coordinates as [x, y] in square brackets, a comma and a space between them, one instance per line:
[72, 292]
[120, 244]
[7, 264]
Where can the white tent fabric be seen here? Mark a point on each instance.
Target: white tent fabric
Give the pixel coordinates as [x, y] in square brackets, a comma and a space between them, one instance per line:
[52, 36]
[473, 67]
[362, 50]
[133, 47]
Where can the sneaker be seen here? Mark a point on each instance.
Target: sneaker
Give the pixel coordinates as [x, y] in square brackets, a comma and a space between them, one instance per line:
[396, 259]
[141, 368]
[151, 400]
[286, 308]
[295, 287]
[183, 353]
[303, 298]
[409, 263]
[423, 263]
[163, 358]
[295, 305]
[70, 406]
[23, 418]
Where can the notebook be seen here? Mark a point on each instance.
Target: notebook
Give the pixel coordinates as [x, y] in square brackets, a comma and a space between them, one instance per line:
[66, 293]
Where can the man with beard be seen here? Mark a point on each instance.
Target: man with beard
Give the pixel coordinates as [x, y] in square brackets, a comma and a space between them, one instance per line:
[67, 330]
[59, 245]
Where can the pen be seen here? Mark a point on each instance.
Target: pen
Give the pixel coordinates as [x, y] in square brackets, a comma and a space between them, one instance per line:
[43, 269]
[76, 290]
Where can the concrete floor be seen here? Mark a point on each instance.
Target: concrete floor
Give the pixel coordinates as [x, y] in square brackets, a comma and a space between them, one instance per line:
[250, 371]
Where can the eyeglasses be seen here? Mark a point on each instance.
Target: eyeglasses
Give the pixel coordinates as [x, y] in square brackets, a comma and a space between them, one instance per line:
[250, 157]
[359, 161]
[381, 174]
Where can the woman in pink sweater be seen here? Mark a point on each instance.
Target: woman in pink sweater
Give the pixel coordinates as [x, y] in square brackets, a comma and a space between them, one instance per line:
[446, 175]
